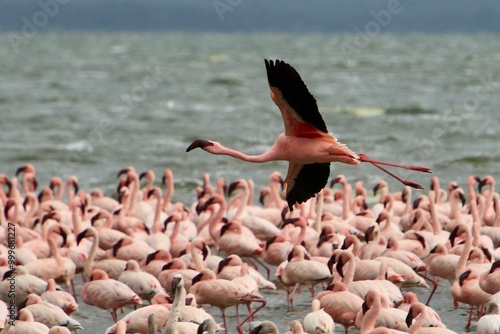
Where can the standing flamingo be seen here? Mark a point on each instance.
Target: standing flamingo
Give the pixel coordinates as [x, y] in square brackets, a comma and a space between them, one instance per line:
[306, 143]
[318, 321]
[490, 321]
[108, 294]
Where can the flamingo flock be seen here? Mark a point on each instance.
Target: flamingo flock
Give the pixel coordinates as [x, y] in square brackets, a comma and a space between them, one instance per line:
[138, 255]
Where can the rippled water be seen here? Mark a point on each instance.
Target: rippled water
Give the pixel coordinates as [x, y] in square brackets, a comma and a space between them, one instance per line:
[90, 104]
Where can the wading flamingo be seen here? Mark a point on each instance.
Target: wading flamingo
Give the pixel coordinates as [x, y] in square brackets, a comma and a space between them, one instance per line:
[306, 144]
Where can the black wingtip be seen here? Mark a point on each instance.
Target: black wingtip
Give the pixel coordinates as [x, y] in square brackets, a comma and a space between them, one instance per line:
[309, 181]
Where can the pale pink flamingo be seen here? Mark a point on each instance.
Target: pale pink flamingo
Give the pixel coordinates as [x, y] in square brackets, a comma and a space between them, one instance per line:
[262, 228]
[26, 324]
[155, 261]
[365, 268]
[150, 176]
[489, 323]
[318, 320]
[377, 314]
[296, 328]
[62, 299]
[104, 202]
[301, 271]
[341, 207]
[129, 248]
[274, 205]
[59, 330]
[493, 231]
[176, 266]
[168, 181]
[108, 294]
[62, 269]
[361, 288]
[489, 281]
[407, 275]
[173, 325]
[489, 215]
[108, 236]
[306, 143]
[145, 285]
[276, 250]
[220, 293]
[49, 314]
[466, 290]
[183, 318]
[232, 267]
[235, 240]
[112, 267]
[340, 304]
[432, 317]
[137, 320]
[4, 315]
[25, 285]
[418, 311]
[441, 264]
[137, 206]
[157, 239]
[301, 233]
[408, 257]
[178, 241]
[265, 327]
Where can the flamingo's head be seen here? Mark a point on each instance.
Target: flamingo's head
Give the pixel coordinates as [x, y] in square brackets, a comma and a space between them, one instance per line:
[205, 145]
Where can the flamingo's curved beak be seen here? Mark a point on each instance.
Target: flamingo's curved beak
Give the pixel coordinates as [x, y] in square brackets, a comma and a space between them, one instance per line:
[199, 143]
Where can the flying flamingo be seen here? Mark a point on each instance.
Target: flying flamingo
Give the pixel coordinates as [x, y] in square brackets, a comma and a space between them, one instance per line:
[306, 144]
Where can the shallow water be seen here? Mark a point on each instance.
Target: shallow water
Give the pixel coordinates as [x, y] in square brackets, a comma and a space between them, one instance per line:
[91, 104]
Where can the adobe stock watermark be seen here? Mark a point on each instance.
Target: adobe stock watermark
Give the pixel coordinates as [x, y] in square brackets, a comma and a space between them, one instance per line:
[123, 106]
[381, 19]
[223, 6]
[31, 25]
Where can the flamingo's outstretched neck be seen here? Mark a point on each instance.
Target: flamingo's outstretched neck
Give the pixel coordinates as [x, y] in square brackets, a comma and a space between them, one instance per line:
[377, 163]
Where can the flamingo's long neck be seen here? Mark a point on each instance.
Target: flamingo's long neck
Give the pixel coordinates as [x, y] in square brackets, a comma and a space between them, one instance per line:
[197, 258]
[264, 157]
[157, 221]
[319, 211]
[371, 316]
[87, 267]
[212, 226]
[349, 275]
[419, 322]
[464, 256]
[436, 225]
[169, 191]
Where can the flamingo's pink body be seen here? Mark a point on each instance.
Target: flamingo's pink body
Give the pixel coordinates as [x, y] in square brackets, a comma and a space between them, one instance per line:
[107, 293]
